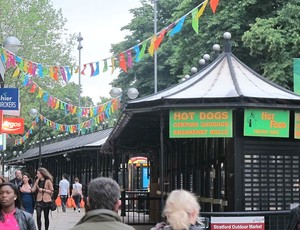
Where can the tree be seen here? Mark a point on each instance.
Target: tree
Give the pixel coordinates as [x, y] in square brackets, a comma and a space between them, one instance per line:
[41, 30]
[264, 33]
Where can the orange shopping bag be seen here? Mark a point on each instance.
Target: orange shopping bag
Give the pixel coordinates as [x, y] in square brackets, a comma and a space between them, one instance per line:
[58, 201]
[73, 203]
[69, 202]
[82, 203]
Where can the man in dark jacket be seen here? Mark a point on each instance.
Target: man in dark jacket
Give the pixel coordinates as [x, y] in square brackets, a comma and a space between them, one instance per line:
[18, 178]
[103, 205]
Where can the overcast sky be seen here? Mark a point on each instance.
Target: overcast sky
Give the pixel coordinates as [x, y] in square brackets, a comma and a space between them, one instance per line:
[99, 22]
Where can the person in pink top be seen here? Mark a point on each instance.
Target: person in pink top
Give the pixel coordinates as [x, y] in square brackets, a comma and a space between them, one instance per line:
[12, 217]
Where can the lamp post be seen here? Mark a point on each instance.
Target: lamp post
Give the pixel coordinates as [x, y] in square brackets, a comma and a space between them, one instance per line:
[155, 53]
[79, 47]
[34, 113]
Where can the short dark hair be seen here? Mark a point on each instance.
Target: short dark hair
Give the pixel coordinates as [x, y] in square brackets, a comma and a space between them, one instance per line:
[16, 192]
[103, 193]
[65, 176]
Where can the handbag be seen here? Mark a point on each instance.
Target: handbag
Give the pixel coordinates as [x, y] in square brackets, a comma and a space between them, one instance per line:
[52, 206]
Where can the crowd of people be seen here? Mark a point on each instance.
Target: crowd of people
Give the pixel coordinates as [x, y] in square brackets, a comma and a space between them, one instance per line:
[21, 196]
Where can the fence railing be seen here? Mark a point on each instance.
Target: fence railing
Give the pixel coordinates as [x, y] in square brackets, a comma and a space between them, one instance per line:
[139, 208]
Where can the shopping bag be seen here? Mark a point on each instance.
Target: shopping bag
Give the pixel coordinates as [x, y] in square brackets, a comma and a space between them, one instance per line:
[58, 201]
[73, 203]
[69, 202]
[82, 203]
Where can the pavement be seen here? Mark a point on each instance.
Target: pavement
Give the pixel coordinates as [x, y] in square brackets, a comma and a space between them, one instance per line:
[66, 220]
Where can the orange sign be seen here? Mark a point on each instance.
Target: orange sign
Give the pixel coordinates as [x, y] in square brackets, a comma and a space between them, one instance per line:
[11, 125]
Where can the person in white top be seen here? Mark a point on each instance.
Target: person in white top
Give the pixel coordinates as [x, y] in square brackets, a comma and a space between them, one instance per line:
[64, 191]
[77, 193]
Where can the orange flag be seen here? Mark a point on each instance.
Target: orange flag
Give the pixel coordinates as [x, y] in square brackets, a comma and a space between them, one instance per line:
[213, 5]
[122, 62]
[159, 39]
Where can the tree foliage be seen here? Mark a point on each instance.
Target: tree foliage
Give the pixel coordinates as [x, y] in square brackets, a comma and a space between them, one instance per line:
[44, 39]
[265, 36]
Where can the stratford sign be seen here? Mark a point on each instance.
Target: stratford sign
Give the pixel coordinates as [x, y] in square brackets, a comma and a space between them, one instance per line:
[12, 125]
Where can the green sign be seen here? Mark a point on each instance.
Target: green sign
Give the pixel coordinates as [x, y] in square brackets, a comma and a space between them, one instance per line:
[266, 123]
[200, 123]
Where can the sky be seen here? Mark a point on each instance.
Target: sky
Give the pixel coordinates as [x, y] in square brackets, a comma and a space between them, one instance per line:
[99, 22]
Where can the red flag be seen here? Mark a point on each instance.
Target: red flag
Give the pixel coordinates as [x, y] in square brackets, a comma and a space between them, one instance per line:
[159, 38]
[122, 62]
[213, 5]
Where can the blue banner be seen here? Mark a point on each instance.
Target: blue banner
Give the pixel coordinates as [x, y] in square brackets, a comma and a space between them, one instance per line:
[9, 99]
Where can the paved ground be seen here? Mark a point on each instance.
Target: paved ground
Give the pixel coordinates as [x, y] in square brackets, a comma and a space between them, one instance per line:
[66, 220]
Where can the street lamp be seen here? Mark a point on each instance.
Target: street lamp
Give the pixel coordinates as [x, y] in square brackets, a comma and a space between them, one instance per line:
[34, 113]
[12, 44]
[132, 93]
[155, 52]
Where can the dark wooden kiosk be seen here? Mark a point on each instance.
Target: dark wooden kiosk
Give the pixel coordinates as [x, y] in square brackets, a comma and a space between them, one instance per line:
[227, 134]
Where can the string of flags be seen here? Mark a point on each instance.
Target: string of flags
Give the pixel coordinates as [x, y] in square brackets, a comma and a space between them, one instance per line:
[123, 60]
[66, 128]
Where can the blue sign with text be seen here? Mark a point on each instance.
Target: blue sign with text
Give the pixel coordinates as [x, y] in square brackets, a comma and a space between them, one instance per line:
[9, 99]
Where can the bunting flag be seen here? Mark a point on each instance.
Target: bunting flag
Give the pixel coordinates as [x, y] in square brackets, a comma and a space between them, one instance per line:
[200, 12]
[159, 39]
[195, 20]
[122, 62]
[10, 60]
[151, 47]
[137, 53]
[213, 5]
[97, 69]
[178, 26]
[142, 53]
[112, 65]
[129, 58]
[105, 67]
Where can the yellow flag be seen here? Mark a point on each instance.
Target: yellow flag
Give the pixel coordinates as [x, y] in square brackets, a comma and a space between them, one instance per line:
[151, 47]
[112, 65]
[16, 72]
[200, 12]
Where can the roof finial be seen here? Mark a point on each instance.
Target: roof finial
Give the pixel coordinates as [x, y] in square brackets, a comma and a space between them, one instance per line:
[227, 37]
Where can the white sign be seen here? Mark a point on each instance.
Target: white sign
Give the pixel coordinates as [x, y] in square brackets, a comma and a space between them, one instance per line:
[238, 223]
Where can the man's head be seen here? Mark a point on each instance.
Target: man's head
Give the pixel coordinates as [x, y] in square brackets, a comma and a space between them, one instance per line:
[18, 174]
[103, 193]
[65, 176]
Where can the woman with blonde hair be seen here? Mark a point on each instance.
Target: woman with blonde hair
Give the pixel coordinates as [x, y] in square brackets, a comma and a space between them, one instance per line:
[44, 187]
[181, 210]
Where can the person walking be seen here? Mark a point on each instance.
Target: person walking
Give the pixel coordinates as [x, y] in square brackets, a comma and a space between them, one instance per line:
[18, 178]
[26, 194]
[12, 217]
[77, 193]
[102, 207]
[44, 187]
[64, 191]
[181, 210]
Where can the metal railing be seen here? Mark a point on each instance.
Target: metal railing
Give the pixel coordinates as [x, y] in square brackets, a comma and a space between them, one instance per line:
[139, 208]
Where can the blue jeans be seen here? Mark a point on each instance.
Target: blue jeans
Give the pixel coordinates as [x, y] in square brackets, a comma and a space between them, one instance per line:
[63, 202]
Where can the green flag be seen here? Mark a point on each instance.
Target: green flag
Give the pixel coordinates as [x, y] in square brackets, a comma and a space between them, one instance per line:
[195, 20]
[105, 66]
[141, 54]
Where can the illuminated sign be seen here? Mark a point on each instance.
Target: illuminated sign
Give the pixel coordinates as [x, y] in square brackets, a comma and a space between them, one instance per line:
[266, 123]
[13, 125]
[297, 126]
[200, 123]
